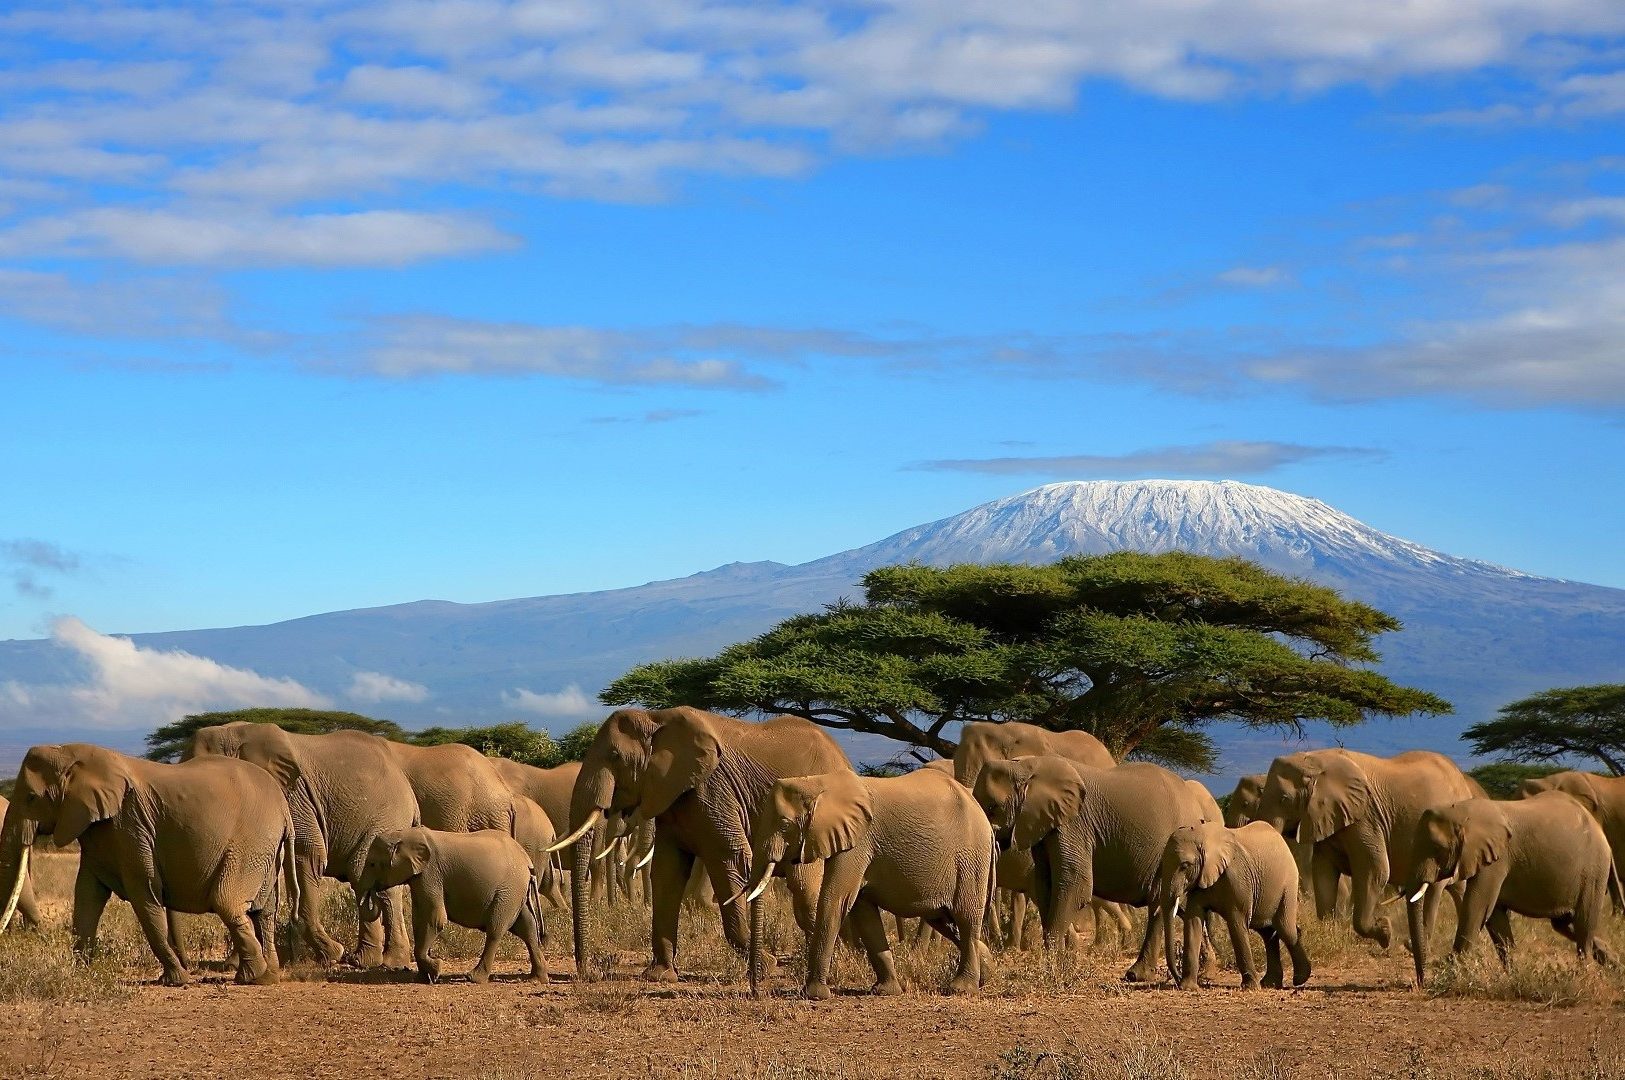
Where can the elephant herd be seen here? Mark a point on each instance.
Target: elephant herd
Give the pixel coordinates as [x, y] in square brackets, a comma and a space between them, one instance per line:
[254, 815]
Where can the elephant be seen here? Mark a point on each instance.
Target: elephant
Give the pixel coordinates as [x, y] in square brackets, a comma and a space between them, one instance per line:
[1242, 807]
[915, 845]
[548, 788]
[1248, 876]
[1545, 857]
[458, 789]
[699, 776]
[1092, 832]
[1360, 813]
[203, 837]
[343, 788]
[483, 880]
[27, 910]
[983, 741]
[1604, 796]
[534, 831]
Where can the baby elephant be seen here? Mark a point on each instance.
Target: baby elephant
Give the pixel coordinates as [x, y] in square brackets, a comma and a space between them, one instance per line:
[915, 845]
[481, 880]
[1545, 857]
[1247, 875]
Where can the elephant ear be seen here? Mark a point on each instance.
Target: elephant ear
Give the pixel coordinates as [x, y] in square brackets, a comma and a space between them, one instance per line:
[1218, 846]
[269, 747]
[686, 752]
[1338, 797]
[412, 851]
[838, 813]
[1579, 785]
[1485, 837]
[1049, 796]
[93, 790]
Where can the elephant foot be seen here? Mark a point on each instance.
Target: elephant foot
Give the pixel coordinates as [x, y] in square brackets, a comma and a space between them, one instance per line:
[1137, 974]
[263, 975]
[1188, 984]
[328, 953]
[887, 988]
[964, 984]
[816, 992]
[429, 973]
[538, 976]
[1249, 982]
[479, 975]
[1300, 973]
[660, 973]
[175, 977]
[367, 958]
[1273, 982]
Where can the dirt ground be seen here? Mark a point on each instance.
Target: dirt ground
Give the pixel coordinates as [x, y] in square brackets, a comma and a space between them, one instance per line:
[1067, 1018]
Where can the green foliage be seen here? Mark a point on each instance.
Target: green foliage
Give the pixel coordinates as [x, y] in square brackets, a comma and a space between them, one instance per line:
[1568, 722]
[1500, 779]
[513, 740]
[168, 742]
[7, 787]
[1141, 650]
[573, 744]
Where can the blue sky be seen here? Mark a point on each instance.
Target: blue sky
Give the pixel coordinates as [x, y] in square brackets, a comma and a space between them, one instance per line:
[329, 305]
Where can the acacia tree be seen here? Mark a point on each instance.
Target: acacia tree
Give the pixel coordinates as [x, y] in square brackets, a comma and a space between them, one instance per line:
[1574, 721]
[169, 741]
[1141, 650]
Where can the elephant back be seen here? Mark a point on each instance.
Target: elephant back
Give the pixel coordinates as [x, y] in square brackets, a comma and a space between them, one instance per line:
[784, 746]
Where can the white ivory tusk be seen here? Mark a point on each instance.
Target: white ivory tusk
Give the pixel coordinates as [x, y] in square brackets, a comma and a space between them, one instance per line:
[1177, 901]
[647, 855]
[17, 890]
[1417, 895]
[591, 823]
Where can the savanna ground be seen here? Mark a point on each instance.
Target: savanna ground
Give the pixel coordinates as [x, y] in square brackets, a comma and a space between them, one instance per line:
[1041, 1017]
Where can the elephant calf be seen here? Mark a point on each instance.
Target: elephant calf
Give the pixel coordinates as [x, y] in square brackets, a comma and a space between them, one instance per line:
[1545, 857]
[1247, 875]
[915, 845]
[482, 880]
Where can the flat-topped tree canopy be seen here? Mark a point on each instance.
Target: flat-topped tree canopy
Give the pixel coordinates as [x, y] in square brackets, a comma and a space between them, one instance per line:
[1141, 650]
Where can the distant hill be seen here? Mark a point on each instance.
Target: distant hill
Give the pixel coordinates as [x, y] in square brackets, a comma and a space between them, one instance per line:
[1475, 633]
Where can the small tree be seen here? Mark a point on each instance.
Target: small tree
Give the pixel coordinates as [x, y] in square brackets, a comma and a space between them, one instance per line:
[1569, 722]
[1141, 650]
[573, 744]
[1500, 779]
[514, 741]
[169, 741]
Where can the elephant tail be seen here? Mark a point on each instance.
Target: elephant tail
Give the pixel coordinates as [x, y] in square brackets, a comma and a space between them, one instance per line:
[990, 901]
[1615, 892]
[288, 863]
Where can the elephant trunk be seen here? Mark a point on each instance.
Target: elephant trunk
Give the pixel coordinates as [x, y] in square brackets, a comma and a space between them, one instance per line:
[16, 844]
[757, 918]
[579, 857]
[1170, 915]
[1414, 914]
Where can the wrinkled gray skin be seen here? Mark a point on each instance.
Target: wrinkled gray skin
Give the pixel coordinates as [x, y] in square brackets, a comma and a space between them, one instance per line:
[699, 777]
[1604, 796]
[1360, 812]
[1248, 876]
[915, 845]
[534, 832]
[1545, 857]
[482, 880]
[548, 788]
[203, 837]
[27, 916]
[1097, 832]
[984, 741]
[458, 789]
[343, 789]
[1242, 807]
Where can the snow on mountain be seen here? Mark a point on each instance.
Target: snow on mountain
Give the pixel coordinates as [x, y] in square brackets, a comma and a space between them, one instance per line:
[1477, 634]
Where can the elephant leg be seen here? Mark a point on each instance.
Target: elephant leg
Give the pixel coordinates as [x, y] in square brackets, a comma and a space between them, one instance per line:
[727, 878]
[90, 898]
[428, 920]
[967, 927]
[1120, 920]
[1476, 910]
[153, 917]
[872, 933]
[804, 881]
[252, 968]
[843, 878]
[1210, 956]
[1500, 928]
[264, 919]
[1569, 927]
[1242, 948]
[1286, 928]
[671, 867]
[1324, 874]
[1194, 931]
[309, 865]
[1370, 873]
[1145, 964]
[1274, 974]
[172, 923]
[527, 927]
[1018, 921]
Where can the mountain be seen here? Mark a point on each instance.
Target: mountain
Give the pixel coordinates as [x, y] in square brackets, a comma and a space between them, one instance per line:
[1475, 633]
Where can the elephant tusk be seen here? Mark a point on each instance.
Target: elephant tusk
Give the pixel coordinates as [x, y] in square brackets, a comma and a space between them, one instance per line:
[761, 886]
[1394, 899]
[1177, 901]
[1417, 895]
[734, 899]
[586, 827]
[608, 848]
[647, 855]
[17, 890]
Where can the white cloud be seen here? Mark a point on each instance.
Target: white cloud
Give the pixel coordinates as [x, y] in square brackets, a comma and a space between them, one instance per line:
[567, 704]
[1223, 458]
[373, 686]
[129, 686]
[364, 238]
[1253, 277]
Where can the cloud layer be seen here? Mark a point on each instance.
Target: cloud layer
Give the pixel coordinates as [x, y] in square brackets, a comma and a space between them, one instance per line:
[130, 687]
[29, 563]
[571, 703]
[1225, 458]
[373, 687]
